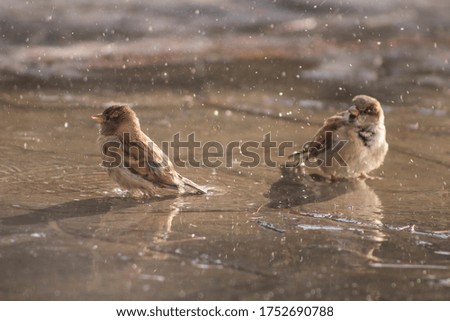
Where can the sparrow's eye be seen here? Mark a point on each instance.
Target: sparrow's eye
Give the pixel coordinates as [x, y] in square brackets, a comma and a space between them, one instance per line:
[114, 115]
[369, 110]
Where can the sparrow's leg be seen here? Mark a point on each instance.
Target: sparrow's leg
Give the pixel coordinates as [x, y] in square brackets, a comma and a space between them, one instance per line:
[367, 176]
[139, 193]
[150, 192]
[136, 193]
[334, 179]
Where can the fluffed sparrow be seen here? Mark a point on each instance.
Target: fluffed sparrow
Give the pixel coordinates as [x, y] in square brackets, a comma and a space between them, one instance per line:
[133, 160]
[350, 144]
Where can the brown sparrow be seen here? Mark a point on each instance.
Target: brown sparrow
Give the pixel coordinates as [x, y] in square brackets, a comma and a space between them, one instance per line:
[133, 160]
[350, 144]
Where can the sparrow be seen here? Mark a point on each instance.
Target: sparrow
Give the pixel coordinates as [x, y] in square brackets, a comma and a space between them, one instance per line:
[132, 159]
[350, 144]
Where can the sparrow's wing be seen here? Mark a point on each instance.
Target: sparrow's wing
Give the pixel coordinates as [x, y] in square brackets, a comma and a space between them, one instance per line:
[150, 162]
[322, 140]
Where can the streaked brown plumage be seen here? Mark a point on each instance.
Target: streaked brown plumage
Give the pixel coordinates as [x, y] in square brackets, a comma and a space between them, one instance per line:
[143, 166]
[362, 128]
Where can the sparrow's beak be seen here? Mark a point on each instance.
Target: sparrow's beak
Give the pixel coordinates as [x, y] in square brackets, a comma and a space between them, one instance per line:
[353, 114]
[98, 118]
[353, 111]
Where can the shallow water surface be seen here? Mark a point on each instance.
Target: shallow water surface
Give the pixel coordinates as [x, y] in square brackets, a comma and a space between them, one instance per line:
[68, 232]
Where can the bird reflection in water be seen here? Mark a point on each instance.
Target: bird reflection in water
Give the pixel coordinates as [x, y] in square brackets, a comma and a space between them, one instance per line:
[333, 206]
[165, 228]
[295, 188]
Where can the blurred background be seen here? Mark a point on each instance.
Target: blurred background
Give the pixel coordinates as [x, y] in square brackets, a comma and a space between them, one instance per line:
[321, 50]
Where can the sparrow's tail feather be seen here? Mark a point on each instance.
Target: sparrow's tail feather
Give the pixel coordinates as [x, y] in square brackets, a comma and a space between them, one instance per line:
[188, 182]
